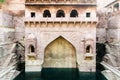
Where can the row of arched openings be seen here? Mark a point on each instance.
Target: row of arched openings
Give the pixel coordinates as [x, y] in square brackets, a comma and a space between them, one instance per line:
[60, 13]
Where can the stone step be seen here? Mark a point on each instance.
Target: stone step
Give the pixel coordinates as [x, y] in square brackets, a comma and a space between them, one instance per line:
[111, 68]
[10, 75]
[7, 60]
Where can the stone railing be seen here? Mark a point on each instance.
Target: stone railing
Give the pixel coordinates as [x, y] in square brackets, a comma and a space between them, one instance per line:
[79, 19]
[61, 1]
[9, 60]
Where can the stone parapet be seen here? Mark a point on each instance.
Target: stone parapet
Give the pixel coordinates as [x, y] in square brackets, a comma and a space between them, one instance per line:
[62, 1]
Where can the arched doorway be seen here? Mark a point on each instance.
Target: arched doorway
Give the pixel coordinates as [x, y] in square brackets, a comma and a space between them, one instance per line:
[60, 53]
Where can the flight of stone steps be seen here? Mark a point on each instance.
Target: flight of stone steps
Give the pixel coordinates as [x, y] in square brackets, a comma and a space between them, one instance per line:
[111, 68]
[7, 69]
[9, 75]
[109, 75]
[9, 56]
[110, 55]
[109, 49]
[7, 72]
[1, 37]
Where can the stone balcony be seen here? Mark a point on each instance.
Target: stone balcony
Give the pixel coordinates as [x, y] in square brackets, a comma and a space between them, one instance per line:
[56, 2]
[61, 19]
[89, 56]
[32, 56]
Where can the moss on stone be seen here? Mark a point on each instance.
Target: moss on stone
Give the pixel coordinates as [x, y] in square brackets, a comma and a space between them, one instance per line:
[2, 0]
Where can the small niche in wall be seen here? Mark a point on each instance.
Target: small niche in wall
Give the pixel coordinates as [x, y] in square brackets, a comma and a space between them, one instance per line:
[33, 14]
[88, 58]
[88, 14]
[31, 55]
[88, 54]
[97, 39]
[32, 49]
[88, 48]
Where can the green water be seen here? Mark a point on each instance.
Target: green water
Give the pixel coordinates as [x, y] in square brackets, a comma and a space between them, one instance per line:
[60, 74]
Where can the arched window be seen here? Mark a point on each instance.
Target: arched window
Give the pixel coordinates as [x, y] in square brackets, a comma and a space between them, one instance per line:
[32, 49]
[60, 13]
[88, 49]
[46, 13]
[74, 13]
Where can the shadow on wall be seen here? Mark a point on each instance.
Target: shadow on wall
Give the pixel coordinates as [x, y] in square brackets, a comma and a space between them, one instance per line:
[100, 51]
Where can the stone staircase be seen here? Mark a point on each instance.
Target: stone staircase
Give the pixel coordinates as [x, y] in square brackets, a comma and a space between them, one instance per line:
[108, 48]
[111, 68]
[6, 73]
[9, 76]
[1, 37]
[109, 75]
[8, 60]
[110, 55]
[8, 68]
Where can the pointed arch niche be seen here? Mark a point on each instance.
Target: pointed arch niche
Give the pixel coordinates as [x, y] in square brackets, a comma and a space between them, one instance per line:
[89, 49]
[89, 54]
[60, 53]
[31, 49]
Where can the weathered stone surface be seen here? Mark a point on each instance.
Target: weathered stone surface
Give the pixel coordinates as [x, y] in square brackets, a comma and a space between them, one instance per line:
[111, 32]
[61, 1]
[78, 33]
[60, 53]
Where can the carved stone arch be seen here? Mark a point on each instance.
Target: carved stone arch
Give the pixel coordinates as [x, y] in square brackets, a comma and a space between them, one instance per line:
[46, 13]
[60, 53]
[89, 46]
[65, 11]
[74, 13]
[60, 13]
[42, 10]
[31, 48]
